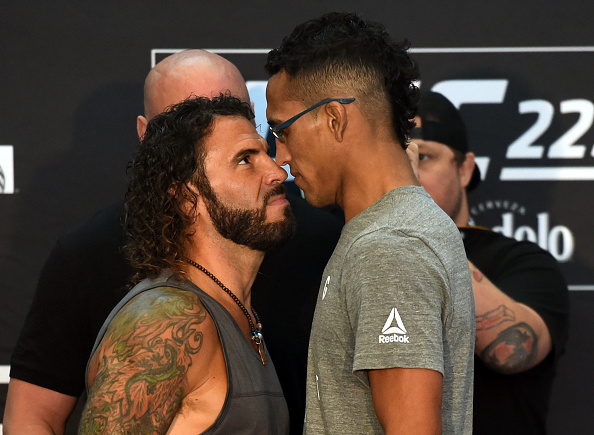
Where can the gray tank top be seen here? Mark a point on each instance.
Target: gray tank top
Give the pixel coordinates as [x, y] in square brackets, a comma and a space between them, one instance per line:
[255, 403]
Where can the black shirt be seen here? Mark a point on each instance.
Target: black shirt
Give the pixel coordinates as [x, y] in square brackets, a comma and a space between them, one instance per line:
[518, 404]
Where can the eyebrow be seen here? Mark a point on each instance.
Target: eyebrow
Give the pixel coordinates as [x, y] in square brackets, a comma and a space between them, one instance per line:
[249, 152]
[272, 122]
[245, 152]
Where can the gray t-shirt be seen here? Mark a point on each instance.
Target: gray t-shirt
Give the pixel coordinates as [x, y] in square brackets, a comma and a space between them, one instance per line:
[396, 293]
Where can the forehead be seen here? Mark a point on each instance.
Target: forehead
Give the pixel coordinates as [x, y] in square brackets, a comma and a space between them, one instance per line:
[277, 85]
[231, 134]
[277, 95]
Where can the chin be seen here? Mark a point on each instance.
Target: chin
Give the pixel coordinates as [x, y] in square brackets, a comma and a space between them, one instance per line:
[277, 214]
[316, 201]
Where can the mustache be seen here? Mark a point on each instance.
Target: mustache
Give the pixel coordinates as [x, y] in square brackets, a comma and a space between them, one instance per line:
[279, 189]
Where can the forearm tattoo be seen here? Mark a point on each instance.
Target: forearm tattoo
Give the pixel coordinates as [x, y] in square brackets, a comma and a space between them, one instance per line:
[477, 275]
[494, 318]
[141, 378]
[513, 350]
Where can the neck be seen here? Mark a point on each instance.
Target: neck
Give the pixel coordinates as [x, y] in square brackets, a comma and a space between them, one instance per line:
[372, 172]
[463, 215]
[234, 265]
[255, 327]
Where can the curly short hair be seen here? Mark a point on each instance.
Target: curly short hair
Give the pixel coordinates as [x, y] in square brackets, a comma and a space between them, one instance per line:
[341, 52]
[160, 206]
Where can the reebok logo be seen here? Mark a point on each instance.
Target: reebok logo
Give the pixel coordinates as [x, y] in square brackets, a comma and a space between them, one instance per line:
[394, 333]
[394, 316]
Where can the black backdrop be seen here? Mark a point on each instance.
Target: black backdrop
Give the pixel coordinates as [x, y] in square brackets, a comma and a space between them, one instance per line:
[71, 80]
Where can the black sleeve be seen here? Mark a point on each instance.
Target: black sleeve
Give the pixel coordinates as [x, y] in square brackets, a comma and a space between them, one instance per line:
[529, 275]
[83, 278]
[49, 349]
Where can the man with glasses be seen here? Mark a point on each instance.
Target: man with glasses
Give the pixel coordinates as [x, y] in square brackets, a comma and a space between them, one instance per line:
[391, 347]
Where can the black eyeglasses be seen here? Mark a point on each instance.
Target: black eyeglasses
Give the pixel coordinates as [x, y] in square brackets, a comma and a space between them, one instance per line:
[278, 128]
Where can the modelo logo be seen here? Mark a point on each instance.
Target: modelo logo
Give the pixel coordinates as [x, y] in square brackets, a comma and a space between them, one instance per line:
[558, 240]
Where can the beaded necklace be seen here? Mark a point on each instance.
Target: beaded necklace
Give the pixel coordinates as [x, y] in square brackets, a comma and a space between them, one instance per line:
[257, 329]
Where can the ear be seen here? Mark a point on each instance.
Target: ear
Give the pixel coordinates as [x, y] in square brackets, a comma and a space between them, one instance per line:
[337, 119]
[141, 123]
[466, 169]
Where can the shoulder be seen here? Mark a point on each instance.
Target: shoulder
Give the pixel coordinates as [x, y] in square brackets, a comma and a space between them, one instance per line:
[412, 212]
[160, 329]
[101, 236]
[161, 306]
[157, 320]
[387, 255]
[475, 235]
[489, 248]
[386, 243]
[102, 227]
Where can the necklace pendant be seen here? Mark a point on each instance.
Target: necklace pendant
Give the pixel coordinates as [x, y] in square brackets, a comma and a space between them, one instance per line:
[259, 340]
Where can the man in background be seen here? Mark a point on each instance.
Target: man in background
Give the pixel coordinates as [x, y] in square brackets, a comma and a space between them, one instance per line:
[86, 275]
[520, 293]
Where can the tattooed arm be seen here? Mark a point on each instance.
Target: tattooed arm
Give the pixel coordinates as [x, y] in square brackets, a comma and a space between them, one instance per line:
[156, 351]
[510, 337]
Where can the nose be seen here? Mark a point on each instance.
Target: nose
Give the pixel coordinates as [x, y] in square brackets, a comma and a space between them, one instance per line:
[276, 174]
[282, 154]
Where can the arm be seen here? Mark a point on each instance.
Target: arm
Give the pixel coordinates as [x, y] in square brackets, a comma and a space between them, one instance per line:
[139, 374]
[407, 400]
[510, 337]
[405, 379]
[31, 409]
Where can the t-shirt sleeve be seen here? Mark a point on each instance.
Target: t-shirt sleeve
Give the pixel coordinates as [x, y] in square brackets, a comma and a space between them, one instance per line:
[396, 298]
[47, 352]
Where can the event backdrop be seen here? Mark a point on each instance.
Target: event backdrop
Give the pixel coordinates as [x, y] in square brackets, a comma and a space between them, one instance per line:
[520, 72]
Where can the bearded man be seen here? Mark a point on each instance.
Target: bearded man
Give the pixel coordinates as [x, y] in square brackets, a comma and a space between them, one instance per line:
[184, 350]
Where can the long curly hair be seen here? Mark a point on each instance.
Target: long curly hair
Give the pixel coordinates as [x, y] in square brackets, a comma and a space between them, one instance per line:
[160, 206]
[341, 52]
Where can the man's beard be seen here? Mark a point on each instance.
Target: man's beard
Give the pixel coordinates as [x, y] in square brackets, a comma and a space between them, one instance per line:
[248, 227]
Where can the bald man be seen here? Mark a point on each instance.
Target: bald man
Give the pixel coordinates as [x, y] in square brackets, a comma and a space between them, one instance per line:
[190, 72]
[76, 292]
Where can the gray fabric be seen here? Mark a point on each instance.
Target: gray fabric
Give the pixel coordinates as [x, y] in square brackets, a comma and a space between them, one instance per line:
[255, 402]
[400, 257]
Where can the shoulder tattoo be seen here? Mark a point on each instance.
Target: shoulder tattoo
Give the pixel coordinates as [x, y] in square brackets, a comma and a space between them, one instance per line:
[142, 364]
